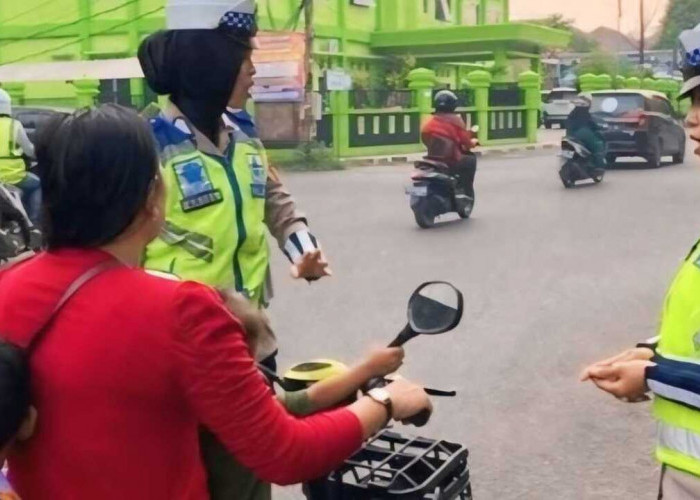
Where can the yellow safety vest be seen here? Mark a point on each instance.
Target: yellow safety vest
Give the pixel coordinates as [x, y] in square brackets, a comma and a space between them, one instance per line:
[215, 229]
[678, 442]
[12, 167]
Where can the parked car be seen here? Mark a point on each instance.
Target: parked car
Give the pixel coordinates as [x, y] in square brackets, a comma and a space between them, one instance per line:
[34, 117]
[639, 123]
[557, 106]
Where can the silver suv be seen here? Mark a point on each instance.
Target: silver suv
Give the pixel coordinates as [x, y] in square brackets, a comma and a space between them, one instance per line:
[557, 106]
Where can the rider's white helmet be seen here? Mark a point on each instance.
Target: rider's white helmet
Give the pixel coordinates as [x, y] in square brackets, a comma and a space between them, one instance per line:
[5, 103]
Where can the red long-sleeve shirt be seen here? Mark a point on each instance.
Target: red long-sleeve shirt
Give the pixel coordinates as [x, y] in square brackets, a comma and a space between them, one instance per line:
[129, 369]
[446, 137]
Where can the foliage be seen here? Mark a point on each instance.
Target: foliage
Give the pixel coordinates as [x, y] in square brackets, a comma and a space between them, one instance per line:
[396, 70]
[600, 62]
[310, 156]
[579, 41]
[680, 15]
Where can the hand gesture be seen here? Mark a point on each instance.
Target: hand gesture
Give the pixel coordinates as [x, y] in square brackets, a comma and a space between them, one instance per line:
[312, 266]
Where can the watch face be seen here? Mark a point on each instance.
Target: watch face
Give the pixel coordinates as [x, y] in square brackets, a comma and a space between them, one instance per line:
[381, 395]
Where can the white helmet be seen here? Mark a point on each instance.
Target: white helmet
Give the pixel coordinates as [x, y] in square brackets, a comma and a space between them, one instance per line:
[5, 103]
[208, 14]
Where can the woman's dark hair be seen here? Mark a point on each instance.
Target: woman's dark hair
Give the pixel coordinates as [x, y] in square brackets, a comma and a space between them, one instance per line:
[15, 396]
[96, 167]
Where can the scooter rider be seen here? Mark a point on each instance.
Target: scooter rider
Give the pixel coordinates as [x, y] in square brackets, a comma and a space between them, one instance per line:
[669, 365]
[581, 127]
[447, 139]
[14, 144]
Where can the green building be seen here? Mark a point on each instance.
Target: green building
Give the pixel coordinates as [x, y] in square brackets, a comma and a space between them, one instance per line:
[366, 38]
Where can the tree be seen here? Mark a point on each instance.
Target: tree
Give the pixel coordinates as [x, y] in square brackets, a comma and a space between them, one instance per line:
[580, 42]
[680, 15]
[600, 62]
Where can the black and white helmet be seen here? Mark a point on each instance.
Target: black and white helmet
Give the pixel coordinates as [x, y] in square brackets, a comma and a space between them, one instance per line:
[689, 42]
[446, 101]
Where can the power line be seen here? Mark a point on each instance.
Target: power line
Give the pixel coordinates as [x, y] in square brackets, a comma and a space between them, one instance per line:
[78, 40]
[61, 26]
[28, 11]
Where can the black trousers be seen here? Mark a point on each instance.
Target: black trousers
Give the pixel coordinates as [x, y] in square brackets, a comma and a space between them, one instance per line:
[465, 170]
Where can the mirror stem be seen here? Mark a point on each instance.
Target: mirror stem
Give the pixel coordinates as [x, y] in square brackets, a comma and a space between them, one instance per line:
[406, 334]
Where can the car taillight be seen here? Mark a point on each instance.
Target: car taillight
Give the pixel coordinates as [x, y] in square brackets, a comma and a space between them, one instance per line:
[643, 120]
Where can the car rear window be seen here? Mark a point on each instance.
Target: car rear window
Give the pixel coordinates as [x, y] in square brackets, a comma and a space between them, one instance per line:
[616, 104]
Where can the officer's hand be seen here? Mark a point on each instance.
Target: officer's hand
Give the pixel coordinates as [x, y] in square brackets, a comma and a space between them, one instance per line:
[624, 380]
[638, 353]
[312, 266]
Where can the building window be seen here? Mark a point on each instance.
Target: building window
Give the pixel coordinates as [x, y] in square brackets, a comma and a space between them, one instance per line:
[470, 12]
[443, 10]
[426, 6]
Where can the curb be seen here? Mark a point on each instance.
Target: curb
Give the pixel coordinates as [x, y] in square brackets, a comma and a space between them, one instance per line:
[410, 158]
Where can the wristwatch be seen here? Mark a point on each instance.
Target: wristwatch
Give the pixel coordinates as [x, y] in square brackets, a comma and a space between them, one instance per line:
[382, 396]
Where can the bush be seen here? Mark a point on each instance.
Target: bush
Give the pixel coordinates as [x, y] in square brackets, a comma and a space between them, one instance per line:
[311, 157]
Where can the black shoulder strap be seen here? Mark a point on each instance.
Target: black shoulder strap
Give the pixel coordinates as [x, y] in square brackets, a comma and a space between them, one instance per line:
[70, 292]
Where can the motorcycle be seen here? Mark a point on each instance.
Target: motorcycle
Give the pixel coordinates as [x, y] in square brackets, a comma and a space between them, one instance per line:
[435, 192]
[577, 163]
[389, 464]
[17, 233]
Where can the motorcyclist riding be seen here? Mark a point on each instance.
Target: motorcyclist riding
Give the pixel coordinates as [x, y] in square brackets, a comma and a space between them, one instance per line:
[448, 140]
[581, 127]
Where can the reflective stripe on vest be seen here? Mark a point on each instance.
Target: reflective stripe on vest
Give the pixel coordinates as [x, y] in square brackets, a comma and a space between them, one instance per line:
[12, 167]
[679, 425]
[215, 211]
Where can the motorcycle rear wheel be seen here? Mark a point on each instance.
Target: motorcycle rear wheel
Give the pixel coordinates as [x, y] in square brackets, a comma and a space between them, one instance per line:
[466, 212]
[423, 219]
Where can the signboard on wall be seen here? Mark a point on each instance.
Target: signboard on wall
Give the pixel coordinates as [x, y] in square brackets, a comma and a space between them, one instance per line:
[337, 79]
[279, 63]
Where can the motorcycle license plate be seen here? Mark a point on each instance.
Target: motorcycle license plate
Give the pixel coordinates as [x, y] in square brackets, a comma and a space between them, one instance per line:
[417, 190]
[567, 154]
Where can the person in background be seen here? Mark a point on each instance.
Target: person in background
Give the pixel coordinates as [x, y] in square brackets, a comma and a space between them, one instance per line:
[14, 146]
[581, 127]
[447, 139]
[133, 364]
[17, 415]
[669, 365]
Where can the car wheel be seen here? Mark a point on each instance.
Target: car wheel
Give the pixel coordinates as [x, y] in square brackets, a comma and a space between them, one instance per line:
[679, 157]
[654, 158]
[547, 124]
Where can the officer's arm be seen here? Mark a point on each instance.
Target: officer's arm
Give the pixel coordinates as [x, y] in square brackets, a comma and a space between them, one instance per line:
[23, 141]
[285, 222]
[675, 380]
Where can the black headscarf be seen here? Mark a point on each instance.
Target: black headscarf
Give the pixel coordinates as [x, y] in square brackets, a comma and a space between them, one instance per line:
[198, 69]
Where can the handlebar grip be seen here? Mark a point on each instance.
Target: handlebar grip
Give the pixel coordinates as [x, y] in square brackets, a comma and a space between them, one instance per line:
[419, 419]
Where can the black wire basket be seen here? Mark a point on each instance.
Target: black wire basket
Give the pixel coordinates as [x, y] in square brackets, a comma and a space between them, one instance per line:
[390, 465]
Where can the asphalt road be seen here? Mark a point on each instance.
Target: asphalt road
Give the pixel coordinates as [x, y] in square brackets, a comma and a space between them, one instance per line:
[552, 278]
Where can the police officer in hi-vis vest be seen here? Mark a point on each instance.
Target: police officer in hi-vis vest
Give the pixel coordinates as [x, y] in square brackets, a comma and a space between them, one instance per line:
[222, 196]
[14, 145]
[669, 365]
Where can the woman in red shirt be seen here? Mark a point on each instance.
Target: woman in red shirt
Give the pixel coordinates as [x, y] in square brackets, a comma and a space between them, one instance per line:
[133, 363]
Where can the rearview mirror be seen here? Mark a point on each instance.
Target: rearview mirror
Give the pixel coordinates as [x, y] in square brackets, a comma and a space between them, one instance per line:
[435, 307]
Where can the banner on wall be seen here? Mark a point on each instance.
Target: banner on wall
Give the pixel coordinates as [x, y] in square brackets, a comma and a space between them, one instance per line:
[279, 63]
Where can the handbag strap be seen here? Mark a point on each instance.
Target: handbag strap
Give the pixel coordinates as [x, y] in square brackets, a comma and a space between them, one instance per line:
[72, 289]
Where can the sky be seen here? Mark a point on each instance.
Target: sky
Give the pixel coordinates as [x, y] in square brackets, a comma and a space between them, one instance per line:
[589, 14]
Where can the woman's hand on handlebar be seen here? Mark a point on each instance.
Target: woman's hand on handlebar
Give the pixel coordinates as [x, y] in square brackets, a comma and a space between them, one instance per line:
[407, 399]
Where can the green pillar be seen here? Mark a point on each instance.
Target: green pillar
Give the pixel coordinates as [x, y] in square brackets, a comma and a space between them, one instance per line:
[422, 81]
[480, 82]
[16, 91]
[633, 83]
[86, 92]
[84, 12]
[340, 109]
[531, 82]
[619, 82]
[603, 82]
[587, 82]
[500, 66]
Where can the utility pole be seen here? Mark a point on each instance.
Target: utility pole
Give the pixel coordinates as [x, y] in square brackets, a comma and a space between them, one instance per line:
[308, 69]
[641, 33]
